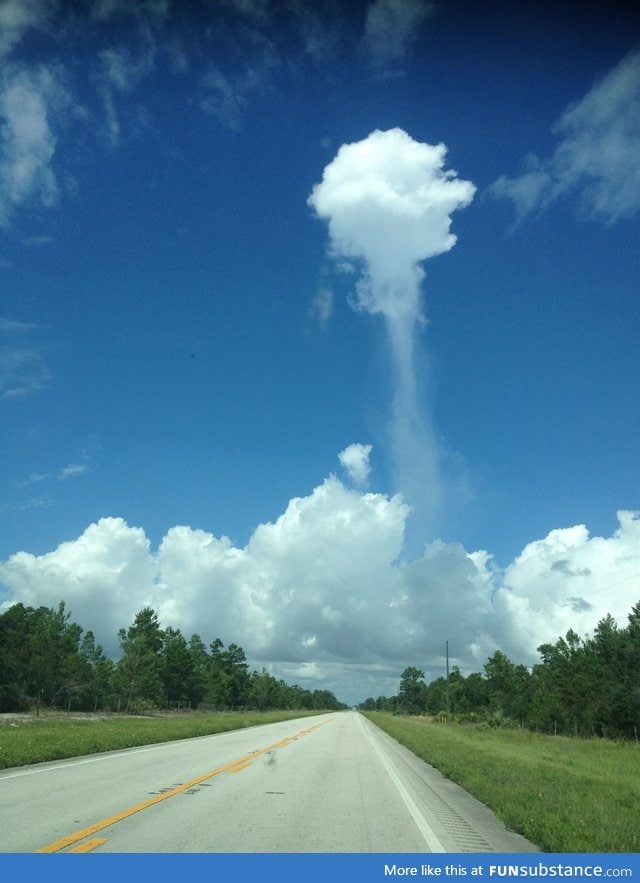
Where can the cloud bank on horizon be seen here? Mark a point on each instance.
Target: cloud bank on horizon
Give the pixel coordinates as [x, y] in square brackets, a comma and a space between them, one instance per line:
[323, 595]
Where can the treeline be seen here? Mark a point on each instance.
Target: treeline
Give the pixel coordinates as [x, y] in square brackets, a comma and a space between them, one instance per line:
[582, 686]
[47, 660]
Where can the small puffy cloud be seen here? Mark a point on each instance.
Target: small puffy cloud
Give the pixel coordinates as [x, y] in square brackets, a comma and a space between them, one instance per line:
[28, 100]
[598, 154]
[391, 26]
[355, 460]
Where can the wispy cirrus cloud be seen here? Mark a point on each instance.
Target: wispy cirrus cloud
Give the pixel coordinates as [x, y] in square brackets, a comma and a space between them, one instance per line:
[226, 94]
[597, 157]
[26, 497]
[321, 307]
[121, 69]
[71, 470]
[23, 370]
[29, 99]
[148, 11]
[391, 26]
[19, 16]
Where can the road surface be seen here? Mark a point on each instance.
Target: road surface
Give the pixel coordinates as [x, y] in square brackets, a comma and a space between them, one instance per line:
[331, 783]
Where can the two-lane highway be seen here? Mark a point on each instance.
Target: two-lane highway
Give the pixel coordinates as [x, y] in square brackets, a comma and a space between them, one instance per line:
[331, 783]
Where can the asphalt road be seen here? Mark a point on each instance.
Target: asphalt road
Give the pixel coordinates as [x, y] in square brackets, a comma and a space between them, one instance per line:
[332, 783]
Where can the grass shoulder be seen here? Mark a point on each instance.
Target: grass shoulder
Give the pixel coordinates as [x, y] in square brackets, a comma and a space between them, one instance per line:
[564, 794]
[27, 739]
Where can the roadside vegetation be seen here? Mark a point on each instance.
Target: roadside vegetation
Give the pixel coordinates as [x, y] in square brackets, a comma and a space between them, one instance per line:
[581, 687]
[553, 750]
[26, 739]
[564, 794]
[49, 662]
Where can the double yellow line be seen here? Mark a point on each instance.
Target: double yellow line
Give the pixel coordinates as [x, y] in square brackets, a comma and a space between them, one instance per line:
[233, 766]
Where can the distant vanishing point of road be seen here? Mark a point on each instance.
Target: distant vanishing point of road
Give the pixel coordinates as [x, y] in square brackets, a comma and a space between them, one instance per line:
[332, 783]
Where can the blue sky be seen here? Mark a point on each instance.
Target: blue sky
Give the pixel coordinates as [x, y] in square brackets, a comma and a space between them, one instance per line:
[188, 347]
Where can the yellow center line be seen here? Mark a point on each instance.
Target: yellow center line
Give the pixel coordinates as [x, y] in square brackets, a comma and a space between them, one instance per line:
[88, 845]
[239, 766]
[232, 766]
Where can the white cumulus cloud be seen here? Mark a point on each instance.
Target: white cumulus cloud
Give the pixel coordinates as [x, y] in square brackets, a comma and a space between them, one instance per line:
[570, 579]
[388, 201]
[322, 592]
[104, 576]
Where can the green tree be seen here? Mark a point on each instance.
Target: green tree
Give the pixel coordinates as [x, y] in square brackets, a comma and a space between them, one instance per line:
[138, 672]
[217, 688]
[234, 664]
[97, 688]
[436, 696]
[412, 695]
[265, 692]
[14, 657]
[56, 671]
[457, 695]
[561, 686]
[630, 685]
[177, 668]
[615, 677]
[201, 662]
[475, 693]
[508, 687]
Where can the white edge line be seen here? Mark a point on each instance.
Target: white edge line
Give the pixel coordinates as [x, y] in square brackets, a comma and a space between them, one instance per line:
[424, 827]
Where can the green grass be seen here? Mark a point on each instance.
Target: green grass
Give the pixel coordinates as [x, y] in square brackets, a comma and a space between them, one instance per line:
[563, 794]
[44, 738]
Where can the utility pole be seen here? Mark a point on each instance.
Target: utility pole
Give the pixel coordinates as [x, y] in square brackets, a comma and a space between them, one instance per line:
[446, 650]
